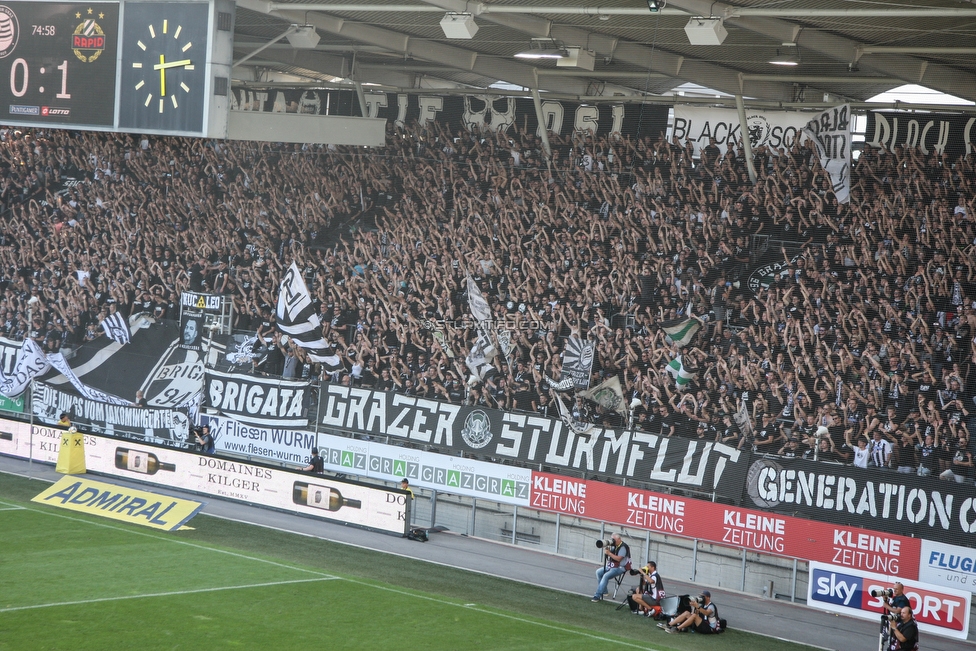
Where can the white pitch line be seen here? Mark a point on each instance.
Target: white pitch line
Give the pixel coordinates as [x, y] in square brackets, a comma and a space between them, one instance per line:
[165, 594]
[514, 618]
[13, 508]
[180, 542]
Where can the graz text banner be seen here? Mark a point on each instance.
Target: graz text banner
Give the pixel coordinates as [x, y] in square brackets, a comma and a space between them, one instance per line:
[702, 466]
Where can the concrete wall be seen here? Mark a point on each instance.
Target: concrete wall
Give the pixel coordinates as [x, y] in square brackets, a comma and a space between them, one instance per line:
[681, 559]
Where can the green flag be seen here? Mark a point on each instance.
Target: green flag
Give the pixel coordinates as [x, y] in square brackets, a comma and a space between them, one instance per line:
[681, 375]
[681, 331]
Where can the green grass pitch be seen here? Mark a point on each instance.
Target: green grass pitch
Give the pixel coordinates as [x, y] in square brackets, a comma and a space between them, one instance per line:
[74, 582]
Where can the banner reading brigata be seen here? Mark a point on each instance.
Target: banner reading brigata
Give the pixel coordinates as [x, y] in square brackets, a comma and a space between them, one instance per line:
[938, 610]
[259, 400]
[727, 525]
[706, 467]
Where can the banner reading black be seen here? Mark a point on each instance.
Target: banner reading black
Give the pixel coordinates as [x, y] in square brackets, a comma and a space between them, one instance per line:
[951, 132]
[702, 466]
[256, 400]
[881, 500]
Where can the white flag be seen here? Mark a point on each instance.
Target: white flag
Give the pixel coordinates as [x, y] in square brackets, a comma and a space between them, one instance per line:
[476, 301]
[830, 132]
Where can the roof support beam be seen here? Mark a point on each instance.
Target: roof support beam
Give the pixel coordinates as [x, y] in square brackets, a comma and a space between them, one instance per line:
[656, 59]
[441, 53]
[909, 69]
[481, 8]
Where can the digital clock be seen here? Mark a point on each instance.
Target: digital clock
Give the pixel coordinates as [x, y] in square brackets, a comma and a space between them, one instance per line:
[58, 63]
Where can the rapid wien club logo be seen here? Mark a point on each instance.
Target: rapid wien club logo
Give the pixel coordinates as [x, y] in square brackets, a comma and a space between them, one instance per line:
[88, 39]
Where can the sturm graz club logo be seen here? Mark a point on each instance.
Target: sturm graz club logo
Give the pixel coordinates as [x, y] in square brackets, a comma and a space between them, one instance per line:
[759, 130]
[9, 31]
[476, 431]
[761, 470]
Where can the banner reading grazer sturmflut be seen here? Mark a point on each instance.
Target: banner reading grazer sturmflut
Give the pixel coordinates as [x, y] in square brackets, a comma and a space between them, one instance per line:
[259, 400]
[921, 507]
[169, 426]
[703, 466]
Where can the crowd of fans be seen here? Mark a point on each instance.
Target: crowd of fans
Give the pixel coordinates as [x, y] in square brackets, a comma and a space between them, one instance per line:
[858, 349]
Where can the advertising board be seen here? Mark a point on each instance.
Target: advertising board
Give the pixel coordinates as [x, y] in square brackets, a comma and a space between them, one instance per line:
[938, 610]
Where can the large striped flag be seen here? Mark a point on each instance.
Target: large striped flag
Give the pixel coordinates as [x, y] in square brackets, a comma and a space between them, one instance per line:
[116, 327]
[296, 318]
[682, 376]
[681, 331]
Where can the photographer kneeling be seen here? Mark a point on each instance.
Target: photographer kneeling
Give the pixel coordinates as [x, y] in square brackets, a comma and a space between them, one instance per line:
[649, 593]
[702, 618]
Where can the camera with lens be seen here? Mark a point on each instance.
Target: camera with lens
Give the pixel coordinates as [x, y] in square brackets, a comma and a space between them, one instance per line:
[884, 594]
[890, 617]
[600, 544]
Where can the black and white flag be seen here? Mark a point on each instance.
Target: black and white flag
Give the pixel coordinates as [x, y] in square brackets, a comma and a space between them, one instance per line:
[116, 328]
[296, 318]
[830, 132]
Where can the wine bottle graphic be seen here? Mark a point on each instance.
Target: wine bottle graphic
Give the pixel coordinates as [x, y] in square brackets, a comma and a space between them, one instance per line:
[145, 462]
[322, 497]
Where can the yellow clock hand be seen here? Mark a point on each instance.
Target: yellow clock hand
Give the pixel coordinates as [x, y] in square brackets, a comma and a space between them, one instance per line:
[162, 75]
[162, 65]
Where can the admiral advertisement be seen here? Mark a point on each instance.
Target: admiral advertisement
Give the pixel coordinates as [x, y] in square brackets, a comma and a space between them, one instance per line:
[884, 501]
[257, 400]
[506, 484]
[951, 133]
[470, 111]
[731, 526]
[170, 426]
[772, 129]
[372, 507]
[938, 610]
[706, 467]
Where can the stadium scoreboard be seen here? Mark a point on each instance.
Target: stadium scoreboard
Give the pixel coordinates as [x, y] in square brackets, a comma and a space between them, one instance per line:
[144, 67]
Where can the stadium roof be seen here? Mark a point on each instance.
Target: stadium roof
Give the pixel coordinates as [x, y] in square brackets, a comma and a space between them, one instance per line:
[843, 49]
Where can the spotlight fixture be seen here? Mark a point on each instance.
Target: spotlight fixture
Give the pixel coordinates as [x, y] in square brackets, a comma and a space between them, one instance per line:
[655, 6]
[543, 48]
[577, 57]
[788, 55]
[459, 25]
[705, 31]
[304, 37]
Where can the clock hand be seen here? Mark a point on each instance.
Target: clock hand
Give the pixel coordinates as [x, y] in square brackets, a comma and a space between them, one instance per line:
[172, 64]
[162, 75]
